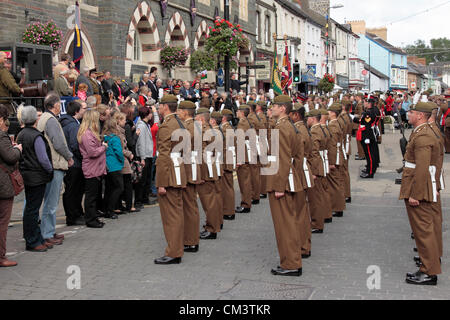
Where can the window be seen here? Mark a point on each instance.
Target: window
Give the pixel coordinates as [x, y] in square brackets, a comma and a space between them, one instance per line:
[257, 26]
[137, 47]
[267, 30]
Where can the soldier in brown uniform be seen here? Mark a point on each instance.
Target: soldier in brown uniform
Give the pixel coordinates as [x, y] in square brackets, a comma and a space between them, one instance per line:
[326, 130]
[186, 112]
[318, 196]
[209, 190]
[282, 188]
[358, 113]
[347, 124]
[170, 181]
[260, 111]
[255, 169]
[230, 162]
[336, 159]
[303, 166]
[419, 189]
[8, 86]
[243, 168]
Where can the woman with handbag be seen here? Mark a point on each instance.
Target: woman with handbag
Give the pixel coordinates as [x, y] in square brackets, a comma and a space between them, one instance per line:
[9, 157]
[37, 170]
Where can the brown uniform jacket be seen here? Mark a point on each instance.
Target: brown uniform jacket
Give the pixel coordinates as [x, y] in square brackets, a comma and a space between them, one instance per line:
[347, 123]
[307, 147]
[165, 169]
[189, 124]
[335, 145]
[94, 84]
[423, 151]
[245, 125]
[289, 150]
[8, 86]
[441, 141]
[319, 143]
[228, 155]
[204, 166]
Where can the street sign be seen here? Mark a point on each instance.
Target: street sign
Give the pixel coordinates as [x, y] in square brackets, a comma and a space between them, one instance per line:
[263, 71]
[257, 67]
[220, 78]
[413, 85]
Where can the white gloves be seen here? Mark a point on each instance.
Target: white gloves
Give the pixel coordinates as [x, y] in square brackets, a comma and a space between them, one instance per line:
[367, 141]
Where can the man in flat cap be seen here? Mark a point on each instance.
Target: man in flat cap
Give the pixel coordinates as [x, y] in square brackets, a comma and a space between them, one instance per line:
[243, 166]
[186, 112]
[282, 188]
[318, 196]
[170, 181]
[336, 158]
[230, 162]
[419, 190]
[303, 166]
[209, 190]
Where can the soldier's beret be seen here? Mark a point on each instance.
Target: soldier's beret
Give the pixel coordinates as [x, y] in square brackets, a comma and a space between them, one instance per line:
[433, 105]
[243, 107]
[335, 107]
[216, 114]
[297, 106]
[262, 103]
[251, 103]
[186, 105]
[313, 113]
[323, 112]
[169, 98]
[202, 110]
[226, 112]
[422, 107]
[282, 99]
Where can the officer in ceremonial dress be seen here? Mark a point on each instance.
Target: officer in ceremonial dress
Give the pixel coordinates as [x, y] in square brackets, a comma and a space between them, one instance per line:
[243, 166]
[318, 196]
[230, 162]
[419, 190]
[170, 181]
[366, 136]
[282, 188]
[336, 158]
[209, 190]
[186, 112]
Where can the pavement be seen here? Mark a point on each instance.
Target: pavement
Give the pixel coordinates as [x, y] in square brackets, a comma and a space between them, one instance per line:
[116, 262]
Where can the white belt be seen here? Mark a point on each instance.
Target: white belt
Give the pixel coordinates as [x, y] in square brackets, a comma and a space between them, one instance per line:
[291, 177]
[410, 165]
[337, 153]
[209, 163]
[327, 163]
[343, 151]
[324, 164]
[233, 151]
[348, 144]
[272, 158]
[442, 180]
[176, 163]
[194, 155]
[218, 163]
[249, 151]
[432, 170]
[306, 170]
[258, 149]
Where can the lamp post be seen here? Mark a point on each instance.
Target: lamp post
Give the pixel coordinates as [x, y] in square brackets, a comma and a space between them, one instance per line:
[338, 6]
[227, 57]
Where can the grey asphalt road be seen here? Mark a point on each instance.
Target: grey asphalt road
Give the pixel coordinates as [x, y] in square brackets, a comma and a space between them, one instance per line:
[117, 262]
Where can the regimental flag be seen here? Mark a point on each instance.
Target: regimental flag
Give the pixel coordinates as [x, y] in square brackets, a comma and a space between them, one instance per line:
[276, 83]
[204, 74]
[77, 40]
[286, 76]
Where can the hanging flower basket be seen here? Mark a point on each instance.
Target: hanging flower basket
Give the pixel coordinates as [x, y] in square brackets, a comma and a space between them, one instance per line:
[172, 57]
[226, 38]
[326, 84]
[47, 34]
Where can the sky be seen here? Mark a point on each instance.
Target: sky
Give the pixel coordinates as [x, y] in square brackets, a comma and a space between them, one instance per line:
[378, 13]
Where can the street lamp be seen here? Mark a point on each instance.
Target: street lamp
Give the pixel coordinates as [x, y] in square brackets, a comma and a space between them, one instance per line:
[337, 6]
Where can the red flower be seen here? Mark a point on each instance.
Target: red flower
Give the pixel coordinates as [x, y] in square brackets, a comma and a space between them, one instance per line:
[240, 30]
[238, 25]
[222, 21]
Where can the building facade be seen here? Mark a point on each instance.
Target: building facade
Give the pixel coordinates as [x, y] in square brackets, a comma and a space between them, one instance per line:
[126, 37]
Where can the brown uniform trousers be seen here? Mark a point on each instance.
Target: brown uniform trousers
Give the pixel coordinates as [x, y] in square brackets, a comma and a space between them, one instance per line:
[335, 177]
[190, 206]
[423, 150]
[318, 197]
[228, 178]
[244, 172]
[255, 169]
[209, 192]
[286, 210]
[301, 202]
[170, 204]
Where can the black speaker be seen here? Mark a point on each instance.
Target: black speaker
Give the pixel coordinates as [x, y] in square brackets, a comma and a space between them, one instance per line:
[40, 67]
